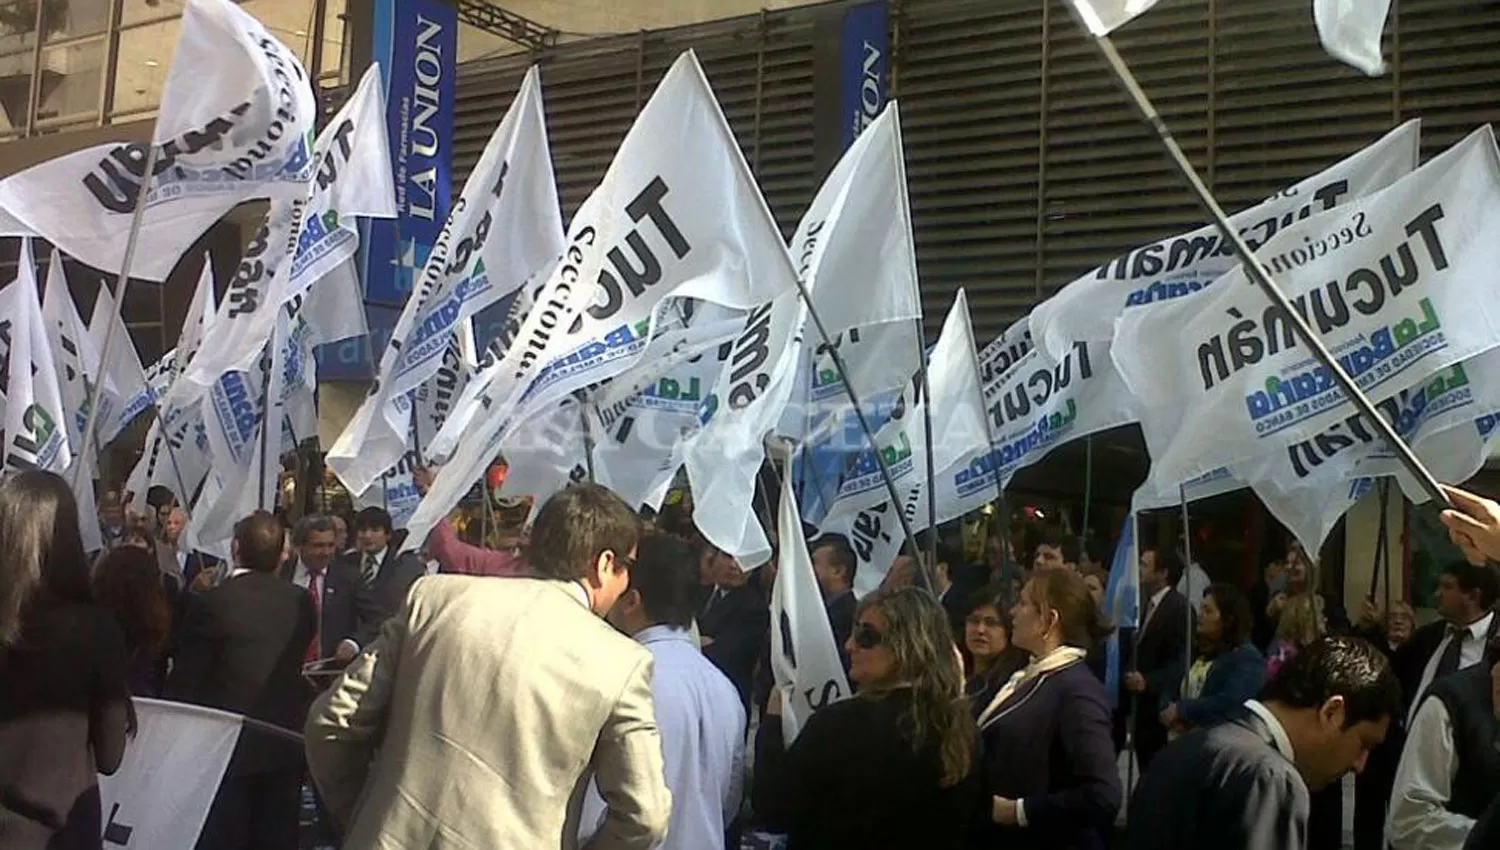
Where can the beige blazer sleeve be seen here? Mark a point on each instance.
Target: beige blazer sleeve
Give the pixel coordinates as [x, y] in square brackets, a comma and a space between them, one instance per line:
[629, 771]
[345, 723]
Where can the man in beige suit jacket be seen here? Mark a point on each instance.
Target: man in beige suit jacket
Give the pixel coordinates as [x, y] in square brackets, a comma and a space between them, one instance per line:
[483, 709]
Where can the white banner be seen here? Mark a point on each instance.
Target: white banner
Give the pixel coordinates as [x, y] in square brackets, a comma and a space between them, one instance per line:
[122, 366]
[1387, 282]
[1350, 31]
[504, 229]
[36, 432]
[1103, 17]
[235, 123]
[77, 369]
[876, 536]
[677, 214]
[1086, 309]
[804, 660]
[160, 796]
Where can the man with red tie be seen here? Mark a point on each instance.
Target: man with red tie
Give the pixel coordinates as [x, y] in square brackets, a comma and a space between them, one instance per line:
[344, 604]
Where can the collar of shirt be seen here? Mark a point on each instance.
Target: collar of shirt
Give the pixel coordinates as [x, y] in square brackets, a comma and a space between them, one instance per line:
[1479, 629]
[379, 558]
[575, 590]
[302, 576]
[238, 571]
[1159, 595]
[663, 634]
[1278, 732]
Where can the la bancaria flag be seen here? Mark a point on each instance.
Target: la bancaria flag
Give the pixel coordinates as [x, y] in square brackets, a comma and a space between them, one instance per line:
[1086, 309]
[677, 215]
[161, 794]
[1393, 284]
[804, 660]
[236, 122]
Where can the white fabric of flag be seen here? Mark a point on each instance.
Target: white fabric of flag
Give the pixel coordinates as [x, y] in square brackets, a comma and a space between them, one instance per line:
[504, 229]
[677, 215]
[36, 432]
[303, 238]
[77, 369]
[876, 536]
[1005, 351]
[1387, 282]
[122, 366]
[1086, 309]
[161, 794]
[236, 409]
[1103, 17]
[804, 660]
[236, 120]
[1350, 31]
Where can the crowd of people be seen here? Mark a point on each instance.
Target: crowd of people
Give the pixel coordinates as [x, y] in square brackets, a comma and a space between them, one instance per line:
[610, 685]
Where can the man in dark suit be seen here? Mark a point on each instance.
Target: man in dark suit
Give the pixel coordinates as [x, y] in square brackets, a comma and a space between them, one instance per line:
[342, 601]
[733, 623]
[387, 575]
[241, 649]
[834, 563]
[1160, 648]
[1245, 783]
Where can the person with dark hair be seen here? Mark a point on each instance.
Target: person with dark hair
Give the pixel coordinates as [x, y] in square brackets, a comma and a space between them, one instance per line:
[1056, 551]
[734, 620]
[240, 648]
[128, 583]
[1449, 771]
[65, 708]
[1095, 553]
[1049, 772]
[387, 574]
[1228, 669]
[502, 750]
[993, 656]
[893, 766]
[834, 563]
[697, 709]
[1161, 645]
[954, 586]
[1244, 783]
[457, 557]
[348, 616]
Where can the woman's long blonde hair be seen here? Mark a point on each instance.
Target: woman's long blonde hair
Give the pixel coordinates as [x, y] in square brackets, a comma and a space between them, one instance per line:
[919, 636]
[1301, 619]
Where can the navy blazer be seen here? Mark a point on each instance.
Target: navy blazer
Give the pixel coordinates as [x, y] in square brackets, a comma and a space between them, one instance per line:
[1233, 677]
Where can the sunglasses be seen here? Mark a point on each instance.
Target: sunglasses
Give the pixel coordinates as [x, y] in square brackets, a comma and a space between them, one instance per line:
[867, 636]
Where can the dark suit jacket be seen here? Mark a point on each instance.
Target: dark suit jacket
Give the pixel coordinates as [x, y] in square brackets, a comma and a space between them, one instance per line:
[1050, 746]
[63, 720]
[1225, 787]
[841, 620]
[241, 648]
[396, 575]
[1232, 678]
[348, 606]
[1486, 831]
[738, 624]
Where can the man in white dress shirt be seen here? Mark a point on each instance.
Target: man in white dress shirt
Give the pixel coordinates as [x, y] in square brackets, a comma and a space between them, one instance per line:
[698, 711]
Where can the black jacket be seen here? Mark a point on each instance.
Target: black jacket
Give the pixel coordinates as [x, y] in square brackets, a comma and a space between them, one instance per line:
[1223, 787]
[738, 623]
[851, 780]
[1468, 697]
[394, 579]
[1050, 746]
[841, 619]
[348, 612]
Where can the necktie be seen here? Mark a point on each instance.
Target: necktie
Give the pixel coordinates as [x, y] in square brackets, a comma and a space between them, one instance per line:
[1452, 654]
[1150, 609]
[368, 571]
[315, 592]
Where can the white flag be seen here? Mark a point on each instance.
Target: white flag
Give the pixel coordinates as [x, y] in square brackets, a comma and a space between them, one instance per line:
[172, 768]
[504, 229]
[1086, 309]
[1350, 31]
[302, 238]
[804, 659]
[122, 367]
[36, 433]
[1005, 351]
[1387, 282]
[876, 536]
[77, 369]
[235, 123]
[1103, 17]
[677, 214]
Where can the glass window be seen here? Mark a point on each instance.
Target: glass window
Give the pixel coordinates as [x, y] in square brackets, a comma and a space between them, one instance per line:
[141, 66]
[15, 87]
[17, 20]
[64, 19]
[138, 11]
[71, 78]
[333, 39]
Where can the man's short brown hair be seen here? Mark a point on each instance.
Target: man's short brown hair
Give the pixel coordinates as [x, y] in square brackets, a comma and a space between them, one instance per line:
[258, 539]
[575, 527]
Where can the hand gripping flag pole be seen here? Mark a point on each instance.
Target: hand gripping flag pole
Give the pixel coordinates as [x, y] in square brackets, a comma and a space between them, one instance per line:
[1254, 269]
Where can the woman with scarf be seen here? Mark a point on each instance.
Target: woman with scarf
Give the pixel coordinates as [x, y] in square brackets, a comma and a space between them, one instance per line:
[1048, 769]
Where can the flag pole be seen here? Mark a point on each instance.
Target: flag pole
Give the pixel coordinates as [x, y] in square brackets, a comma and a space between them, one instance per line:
[932, 529]
[1187, 572]
[1258, 273]
[864, 425]
[1088, 489]
[122, 283]
[588, 435]
[989, 445]
[268, 362]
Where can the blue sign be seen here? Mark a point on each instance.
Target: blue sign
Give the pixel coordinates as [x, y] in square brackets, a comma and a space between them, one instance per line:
[864, 63]
[416, 44]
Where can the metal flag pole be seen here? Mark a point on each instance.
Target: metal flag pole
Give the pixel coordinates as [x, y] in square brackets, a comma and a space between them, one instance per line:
[1088, 489]
[588, 434]
[926, 386]
[1187, 571]
[989, 442]
[1258, 273]
[267, 362]
[122, 283]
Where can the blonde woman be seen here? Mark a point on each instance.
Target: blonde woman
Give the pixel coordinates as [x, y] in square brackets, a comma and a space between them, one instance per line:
[894, 766]
[1300, 624]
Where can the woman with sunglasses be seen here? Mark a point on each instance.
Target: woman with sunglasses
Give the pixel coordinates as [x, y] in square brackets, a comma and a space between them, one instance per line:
[893, 766]
[1049, 771]
[987, 637]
